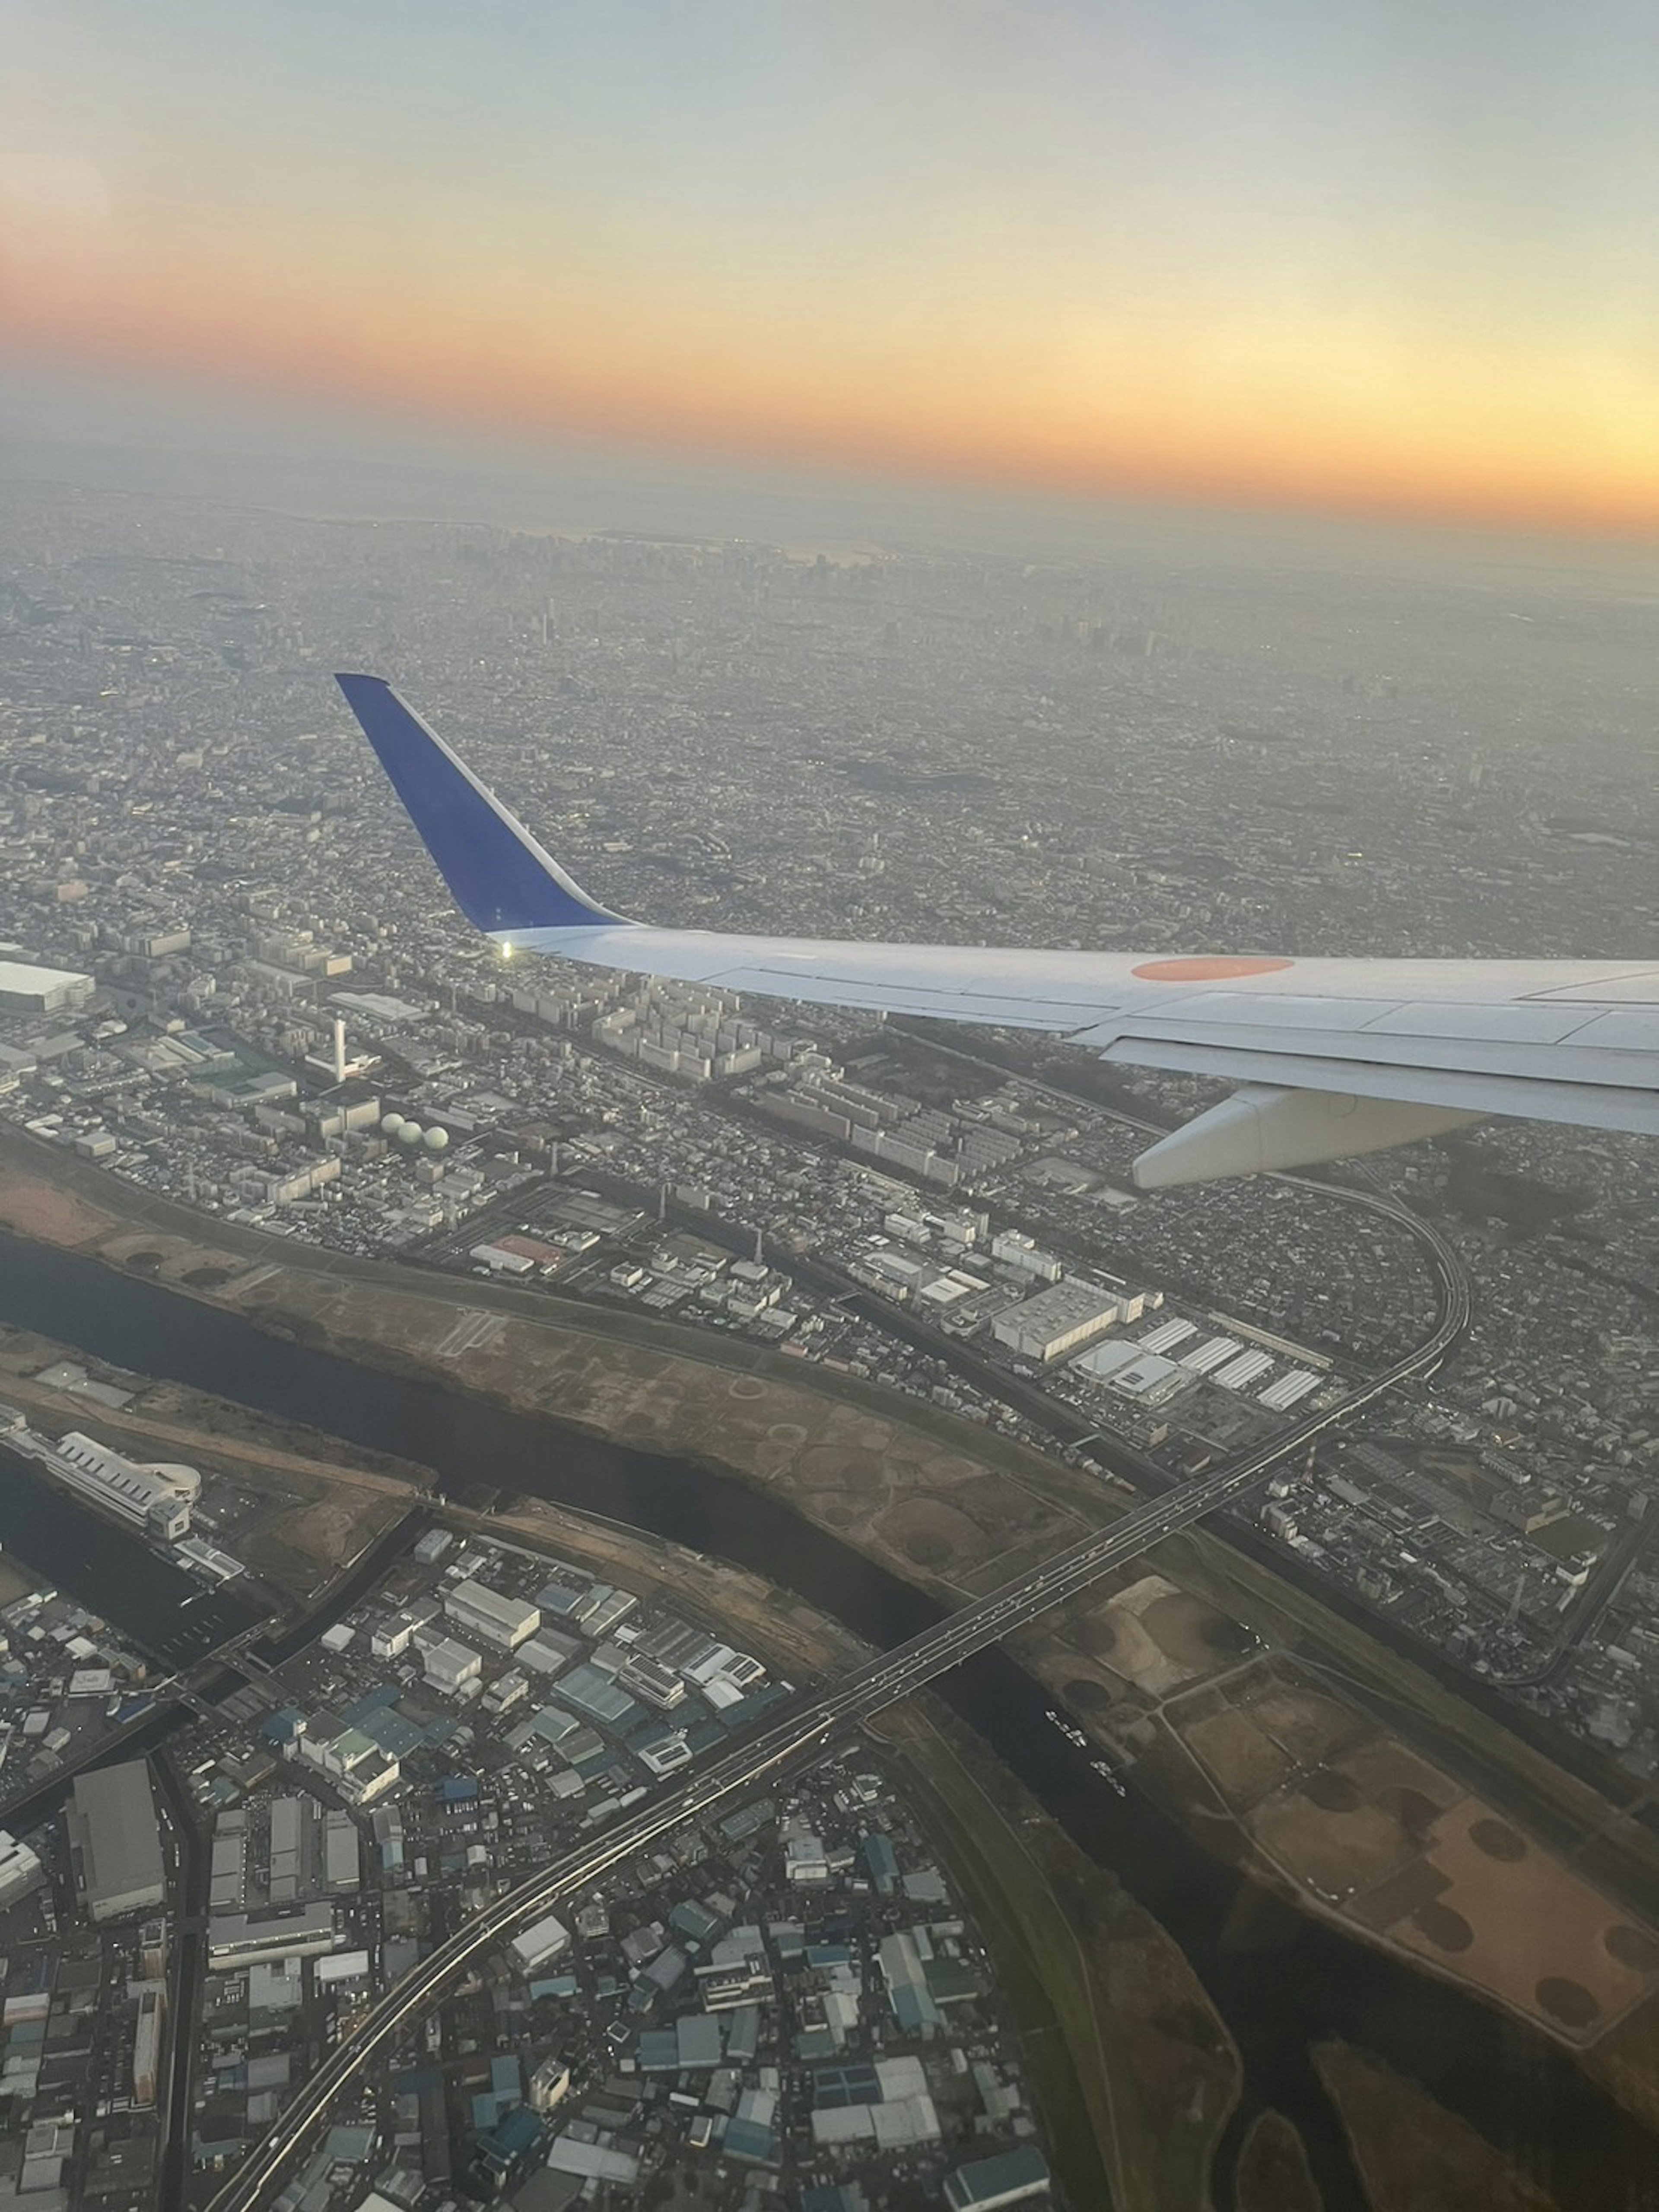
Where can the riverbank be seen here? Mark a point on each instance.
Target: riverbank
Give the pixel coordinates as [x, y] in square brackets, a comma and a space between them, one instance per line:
[1132, 2069]
[1131, 2059]
[509, 1447]
[293, 1504]
[950, 1507]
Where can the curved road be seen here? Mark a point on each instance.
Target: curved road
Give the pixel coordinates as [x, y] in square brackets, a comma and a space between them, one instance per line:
[804, 1736]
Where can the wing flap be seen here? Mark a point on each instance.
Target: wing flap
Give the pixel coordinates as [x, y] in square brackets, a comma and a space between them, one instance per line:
[1562, 1097]
[1633, 1066]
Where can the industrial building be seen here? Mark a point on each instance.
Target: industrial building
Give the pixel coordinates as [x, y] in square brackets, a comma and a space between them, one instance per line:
[1214, 1351]
[27, 988]
[1168, 1333]
[651, 1683]
[115, 1842]
[448, 1665]
[1015, 1251]
[1133, 1372]
[1249, 1367]
[1014, 2177]
[548, 1939]
[234, 1941]
[506, 1622]
[886, 2103]
[900, 1960]
[1059, 1320]
[341, 1857]
[21, 1871]
[147, 2045]
[354, 1762]
[1288, 1390]
[157, 1497]
[389, 1639]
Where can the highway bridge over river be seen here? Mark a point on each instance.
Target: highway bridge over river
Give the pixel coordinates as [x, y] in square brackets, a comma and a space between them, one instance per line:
[801, 1738]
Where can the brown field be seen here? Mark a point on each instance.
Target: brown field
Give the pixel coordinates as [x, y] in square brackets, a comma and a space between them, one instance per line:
[1193, 1636]
[1391, 1773]
[930, 1535]
[1307, 1724]
[1152, 1635]
[1243, 1761]
[1333, 1854]
[39, 1209]
[1271, 1729]
[1365, 1826]
[897, 1492]
[1537, 1936]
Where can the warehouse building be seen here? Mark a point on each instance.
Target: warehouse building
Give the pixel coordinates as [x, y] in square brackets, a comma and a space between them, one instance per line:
[447, 1664]
[506, 1622]
[548, 1939]
[1015, 2177]
[234, 1941]
[115, 1841]
[27, 988]
[1062, 1319]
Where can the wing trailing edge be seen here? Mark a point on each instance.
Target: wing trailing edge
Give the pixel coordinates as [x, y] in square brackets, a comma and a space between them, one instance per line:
[1331, 1058]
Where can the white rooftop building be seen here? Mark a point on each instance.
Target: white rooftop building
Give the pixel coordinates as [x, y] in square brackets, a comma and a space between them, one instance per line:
[21, 1871]
[447, 1664]
[157, 1497]
[506, 1622]
[548, 1939]
[1060, 1319]
[27, 987]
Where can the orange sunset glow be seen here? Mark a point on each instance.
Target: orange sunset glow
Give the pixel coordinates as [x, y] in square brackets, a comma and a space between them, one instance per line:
[851, 249]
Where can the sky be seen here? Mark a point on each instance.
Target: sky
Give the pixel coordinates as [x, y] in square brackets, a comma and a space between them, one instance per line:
[1397, 257]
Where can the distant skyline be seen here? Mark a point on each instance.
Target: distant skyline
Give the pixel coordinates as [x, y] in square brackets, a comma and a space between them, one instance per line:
[1370, 256]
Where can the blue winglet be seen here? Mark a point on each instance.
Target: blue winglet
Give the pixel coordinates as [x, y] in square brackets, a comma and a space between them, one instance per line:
[501, 877]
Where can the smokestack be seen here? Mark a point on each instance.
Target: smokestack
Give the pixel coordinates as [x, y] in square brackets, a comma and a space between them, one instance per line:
[340, 1050]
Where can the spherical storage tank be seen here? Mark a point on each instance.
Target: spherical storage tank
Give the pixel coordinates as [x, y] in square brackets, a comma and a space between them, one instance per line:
[410, 1133]
[435, 1139]
[390, 1124]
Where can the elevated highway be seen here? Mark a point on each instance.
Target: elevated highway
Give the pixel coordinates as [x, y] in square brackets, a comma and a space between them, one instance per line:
[788, 1745]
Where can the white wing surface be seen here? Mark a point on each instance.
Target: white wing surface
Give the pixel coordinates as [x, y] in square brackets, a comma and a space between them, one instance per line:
[1331, 1057]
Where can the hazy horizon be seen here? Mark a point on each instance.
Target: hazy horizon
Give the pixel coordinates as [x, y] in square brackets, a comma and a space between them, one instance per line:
[248, 452]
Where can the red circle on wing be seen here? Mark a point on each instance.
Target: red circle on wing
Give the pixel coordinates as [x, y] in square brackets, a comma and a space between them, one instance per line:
[1222, 971]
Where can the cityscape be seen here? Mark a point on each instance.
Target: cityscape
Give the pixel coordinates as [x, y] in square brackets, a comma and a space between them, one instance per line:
[616, 1594]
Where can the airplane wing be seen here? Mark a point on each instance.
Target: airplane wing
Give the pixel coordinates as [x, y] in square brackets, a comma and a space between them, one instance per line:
[1331, 1058]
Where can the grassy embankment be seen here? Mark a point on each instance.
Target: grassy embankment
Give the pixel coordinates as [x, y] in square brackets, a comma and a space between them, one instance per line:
[1135, 2072]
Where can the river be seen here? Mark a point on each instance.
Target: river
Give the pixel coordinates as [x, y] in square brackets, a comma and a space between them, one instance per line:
[1281, 1981]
